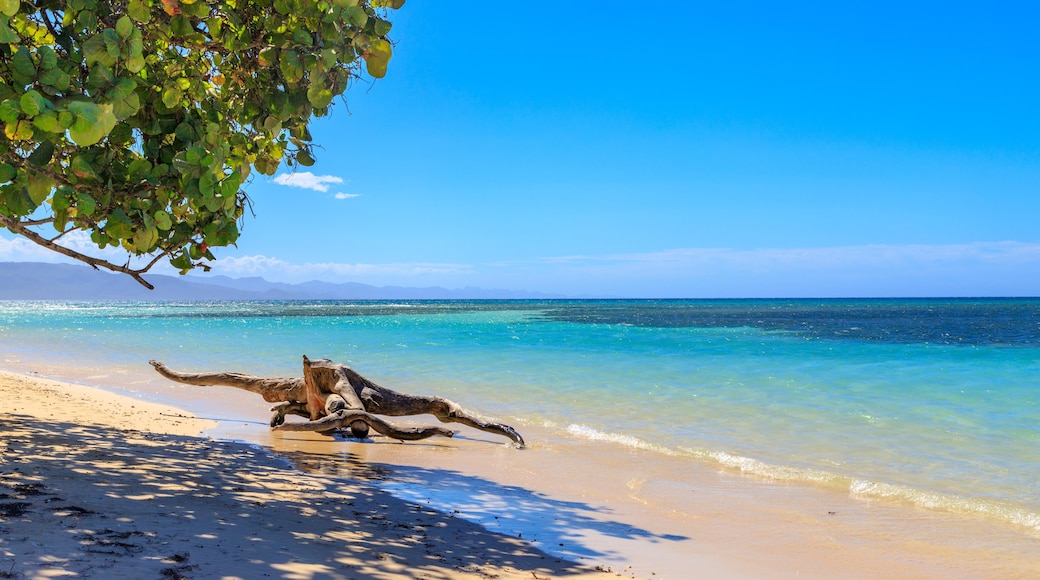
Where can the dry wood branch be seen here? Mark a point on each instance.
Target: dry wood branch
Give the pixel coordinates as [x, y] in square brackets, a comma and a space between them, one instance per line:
[346, 418]
[334, 396]
[273, 390]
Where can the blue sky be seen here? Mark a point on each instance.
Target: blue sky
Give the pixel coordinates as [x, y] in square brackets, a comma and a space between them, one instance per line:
[686, 150]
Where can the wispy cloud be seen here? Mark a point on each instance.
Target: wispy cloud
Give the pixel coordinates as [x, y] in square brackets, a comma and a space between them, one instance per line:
[307, 180]
[873, 255]
[282, 270]
[342, 195]
[969, 269]
[22, 250]
[18, 249]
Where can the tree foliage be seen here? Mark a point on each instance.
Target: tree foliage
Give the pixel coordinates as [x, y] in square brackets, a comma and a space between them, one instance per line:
[139, 121]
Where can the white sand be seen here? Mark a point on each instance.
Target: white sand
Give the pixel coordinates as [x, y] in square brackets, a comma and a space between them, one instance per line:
[96, 485]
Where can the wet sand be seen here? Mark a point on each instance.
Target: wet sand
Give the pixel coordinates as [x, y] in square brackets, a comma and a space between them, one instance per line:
[562, 508]
[96, 485]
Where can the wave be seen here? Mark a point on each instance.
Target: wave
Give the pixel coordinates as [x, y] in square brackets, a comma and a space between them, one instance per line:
[860, 489]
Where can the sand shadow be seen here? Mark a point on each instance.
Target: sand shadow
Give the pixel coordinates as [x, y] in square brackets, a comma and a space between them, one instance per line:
[561, 528]
[99, 501]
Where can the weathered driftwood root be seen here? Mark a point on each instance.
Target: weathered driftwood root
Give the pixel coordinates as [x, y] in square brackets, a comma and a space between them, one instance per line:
[347, 418]
[333, 396]
[273, 390]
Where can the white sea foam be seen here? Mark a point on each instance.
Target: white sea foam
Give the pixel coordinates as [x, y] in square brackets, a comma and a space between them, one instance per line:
[774, 472]
[586, 432]
[1000, 510]
[859, 489]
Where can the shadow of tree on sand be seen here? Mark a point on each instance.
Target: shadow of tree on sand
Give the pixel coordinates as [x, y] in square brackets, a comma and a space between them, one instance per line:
[563, 528]
[102, 502]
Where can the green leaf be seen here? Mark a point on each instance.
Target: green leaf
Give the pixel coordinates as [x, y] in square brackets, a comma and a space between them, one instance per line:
[135, 63]
[319, 96]
[381, 27]
[181, 26]
[118, 225]
[395, 4]
[126, 108]
[17, 200]
[144, 238]
[7, 173]
[378, 57]
[304, 158]
[20, 130]
[10, 110]
[302, 37]
[206, 184]
[182, 262]
[291, 66]
[56, 78]
[122, 89]
[62, 198]
[39, 187]
[268, 56]
[9, 7]
[356, 15]
[93, 122]
[124, 27]
[125, 102]
[229, 186]
[85, 204]
[7, 36]
[112, 44]
[42, 155]
[48, 122]
[139, 169]
[171, 97]
[32, 102]
[95, 51]
[23, 64]
[48, 58]
[82, 168]
[139, 11]
[162, 220]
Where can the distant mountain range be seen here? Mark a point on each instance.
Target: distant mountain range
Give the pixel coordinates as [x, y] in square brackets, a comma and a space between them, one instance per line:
[43, 281]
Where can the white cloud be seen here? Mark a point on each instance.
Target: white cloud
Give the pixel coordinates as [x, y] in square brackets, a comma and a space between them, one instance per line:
[971, 269]
[307, 180]
[342, 195]
[19, 249]
[22, 250]
[276, 269]
[872, 255]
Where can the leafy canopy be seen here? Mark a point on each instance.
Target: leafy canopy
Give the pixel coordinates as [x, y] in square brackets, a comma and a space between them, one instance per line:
[139, 121]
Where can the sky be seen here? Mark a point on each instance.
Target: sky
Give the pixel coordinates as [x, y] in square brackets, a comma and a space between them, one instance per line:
[685, 149]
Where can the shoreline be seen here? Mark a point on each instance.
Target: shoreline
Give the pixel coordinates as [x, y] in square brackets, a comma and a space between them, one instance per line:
[615, 514]
[133, 490]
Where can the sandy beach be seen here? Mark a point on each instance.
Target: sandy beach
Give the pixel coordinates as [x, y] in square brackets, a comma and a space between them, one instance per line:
[98, 485]
[102, 485]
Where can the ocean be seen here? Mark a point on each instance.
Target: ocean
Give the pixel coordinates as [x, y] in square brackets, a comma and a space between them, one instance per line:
[929, 403]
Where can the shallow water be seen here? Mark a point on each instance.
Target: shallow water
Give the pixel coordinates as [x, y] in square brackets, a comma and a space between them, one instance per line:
[933, 403]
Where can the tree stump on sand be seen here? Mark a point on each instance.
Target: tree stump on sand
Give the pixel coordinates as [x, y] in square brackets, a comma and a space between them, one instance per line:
[333, 396]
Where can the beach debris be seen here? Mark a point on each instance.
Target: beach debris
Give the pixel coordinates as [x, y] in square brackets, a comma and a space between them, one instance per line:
[334, 397]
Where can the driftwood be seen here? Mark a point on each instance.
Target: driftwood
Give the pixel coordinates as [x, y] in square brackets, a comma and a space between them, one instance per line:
[333, 396]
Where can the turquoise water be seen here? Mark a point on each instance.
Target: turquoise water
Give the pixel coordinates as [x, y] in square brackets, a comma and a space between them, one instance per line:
[930, 402]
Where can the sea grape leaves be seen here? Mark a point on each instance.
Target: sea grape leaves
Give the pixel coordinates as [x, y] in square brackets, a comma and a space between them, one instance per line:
[138, 122]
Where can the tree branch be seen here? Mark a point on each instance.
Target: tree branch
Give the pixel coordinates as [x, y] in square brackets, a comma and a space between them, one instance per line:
[22, 229]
